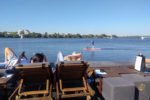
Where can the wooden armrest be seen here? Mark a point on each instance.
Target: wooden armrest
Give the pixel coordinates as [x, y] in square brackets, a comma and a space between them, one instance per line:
[34, 92]
[75, 95]
[73, 89]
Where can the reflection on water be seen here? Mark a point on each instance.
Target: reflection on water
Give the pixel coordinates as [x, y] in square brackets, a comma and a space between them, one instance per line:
[92, 54]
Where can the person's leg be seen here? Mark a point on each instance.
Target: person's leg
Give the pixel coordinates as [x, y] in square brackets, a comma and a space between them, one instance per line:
[9, 54]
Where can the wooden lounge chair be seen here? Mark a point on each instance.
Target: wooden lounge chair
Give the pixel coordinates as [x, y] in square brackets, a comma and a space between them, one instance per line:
[71, 80]
[35, 82]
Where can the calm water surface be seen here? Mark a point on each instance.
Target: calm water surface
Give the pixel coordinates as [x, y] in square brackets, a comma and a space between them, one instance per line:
[117, 49]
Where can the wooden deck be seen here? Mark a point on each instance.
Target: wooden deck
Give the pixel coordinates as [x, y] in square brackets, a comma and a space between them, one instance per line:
[113, 69]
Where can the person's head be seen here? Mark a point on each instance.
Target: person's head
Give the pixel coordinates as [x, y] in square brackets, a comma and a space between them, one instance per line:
[38, 57]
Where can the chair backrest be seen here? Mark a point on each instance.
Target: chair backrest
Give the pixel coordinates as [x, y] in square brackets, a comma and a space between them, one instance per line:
[71, 70]
[34, 72]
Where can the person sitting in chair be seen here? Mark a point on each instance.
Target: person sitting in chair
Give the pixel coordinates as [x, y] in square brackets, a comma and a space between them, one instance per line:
[11, 58]
[38, 57]
[73, 57]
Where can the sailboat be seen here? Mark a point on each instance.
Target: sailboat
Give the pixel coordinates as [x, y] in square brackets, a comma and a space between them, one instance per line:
[142, 38]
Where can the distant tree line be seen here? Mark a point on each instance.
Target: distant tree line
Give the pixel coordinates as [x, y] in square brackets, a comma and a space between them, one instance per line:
[54, 35]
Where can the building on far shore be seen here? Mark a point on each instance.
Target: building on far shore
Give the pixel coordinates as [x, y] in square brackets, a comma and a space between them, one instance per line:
[23, 32]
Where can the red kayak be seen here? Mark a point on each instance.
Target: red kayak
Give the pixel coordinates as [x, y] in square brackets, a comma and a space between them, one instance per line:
[91, 49]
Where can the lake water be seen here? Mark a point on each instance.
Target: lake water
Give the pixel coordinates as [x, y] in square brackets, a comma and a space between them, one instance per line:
[116, 49]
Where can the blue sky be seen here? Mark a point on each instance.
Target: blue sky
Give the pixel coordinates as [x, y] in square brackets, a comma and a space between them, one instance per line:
[120, 17]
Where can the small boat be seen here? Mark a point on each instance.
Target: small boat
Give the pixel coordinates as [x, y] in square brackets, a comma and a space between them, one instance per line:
[91, 49]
